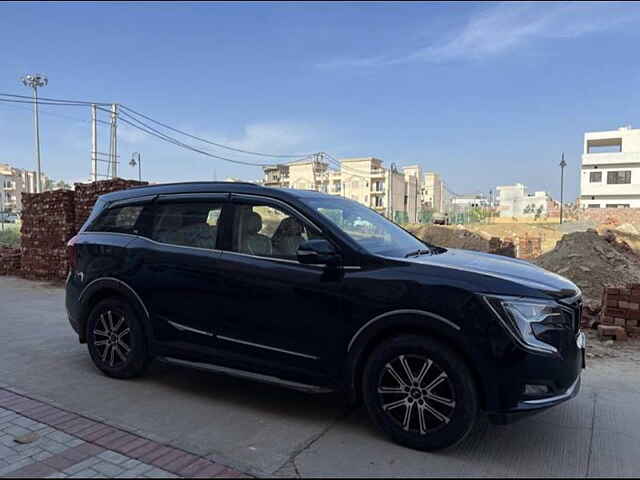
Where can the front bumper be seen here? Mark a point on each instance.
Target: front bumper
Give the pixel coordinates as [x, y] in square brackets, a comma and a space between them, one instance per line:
[529, 406]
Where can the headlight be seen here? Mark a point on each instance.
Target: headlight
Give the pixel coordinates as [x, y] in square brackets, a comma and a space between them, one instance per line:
[528, 320]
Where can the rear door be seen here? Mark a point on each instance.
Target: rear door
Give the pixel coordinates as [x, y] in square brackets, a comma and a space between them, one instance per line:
[180, 269]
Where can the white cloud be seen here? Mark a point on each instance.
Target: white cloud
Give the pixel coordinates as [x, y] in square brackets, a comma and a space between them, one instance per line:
[505, 26]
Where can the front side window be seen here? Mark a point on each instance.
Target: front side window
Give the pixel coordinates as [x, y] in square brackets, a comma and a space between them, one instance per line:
[118, 220]
[370, 229]
[188, 224]
[595, 177]
[619, 176]
[268, 231]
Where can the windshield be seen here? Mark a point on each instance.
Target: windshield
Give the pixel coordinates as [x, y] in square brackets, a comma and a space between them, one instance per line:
[370, 229]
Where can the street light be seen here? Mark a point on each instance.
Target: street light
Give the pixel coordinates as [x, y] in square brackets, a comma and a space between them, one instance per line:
[562, 165]
[133, 163]
[35, 80]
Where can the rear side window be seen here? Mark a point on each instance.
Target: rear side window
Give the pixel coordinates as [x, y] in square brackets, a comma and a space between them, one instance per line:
[189, 224]
[118, 220]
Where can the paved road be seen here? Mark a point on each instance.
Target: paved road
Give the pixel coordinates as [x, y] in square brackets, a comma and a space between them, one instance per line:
[266, 430]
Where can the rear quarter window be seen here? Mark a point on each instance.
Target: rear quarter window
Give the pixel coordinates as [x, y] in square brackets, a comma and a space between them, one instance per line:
[118, 220]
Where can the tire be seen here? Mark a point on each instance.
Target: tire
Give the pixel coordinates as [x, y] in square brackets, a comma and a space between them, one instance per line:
[106, 334]
[446, 387]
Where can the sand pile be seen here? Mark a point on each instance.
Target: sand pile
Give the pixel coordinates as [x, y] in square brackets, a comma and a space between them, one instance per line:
[592, 262]
[451, 237]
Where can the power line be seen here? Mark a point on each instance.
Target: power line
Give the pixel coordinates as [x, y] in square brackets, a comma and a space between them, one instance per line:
[51, 114]
[248, 152]
[62, 101]
[53, 101]
[156, 133]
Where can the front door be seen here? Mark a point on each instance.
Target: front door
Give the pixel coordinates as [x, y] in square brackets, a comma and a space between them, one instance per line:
[282, 314]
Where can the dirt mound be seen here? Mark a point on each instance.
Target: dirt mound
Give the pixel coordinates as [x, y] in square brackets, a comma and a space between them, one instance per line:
[451, 237]
[592, 262]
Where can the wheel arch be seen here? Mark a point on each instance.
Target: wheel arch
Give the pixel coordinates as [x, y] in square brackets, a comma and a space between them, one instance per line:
[404, 322]
[105, 287]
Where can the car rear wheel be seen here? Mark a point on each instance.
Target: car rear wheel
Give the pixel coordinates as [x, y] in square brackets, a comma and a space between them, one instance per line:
[420, 393]
[115, 339]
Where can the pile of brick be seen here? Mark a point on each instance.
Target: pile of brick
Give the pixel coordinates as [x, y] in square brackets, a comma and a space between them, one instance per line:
[10, 260]
[499, 247]
[620, 315]
[86, 195]
[48, 222]
[529, 246]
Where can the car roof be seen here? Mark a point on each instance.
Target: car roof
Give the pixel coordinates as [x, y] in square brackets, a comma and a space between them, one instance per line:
[210, 187]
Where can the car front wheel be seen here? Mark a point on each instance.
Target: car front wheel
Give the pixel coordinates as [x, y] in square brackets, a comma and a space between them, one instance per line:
[420, 393]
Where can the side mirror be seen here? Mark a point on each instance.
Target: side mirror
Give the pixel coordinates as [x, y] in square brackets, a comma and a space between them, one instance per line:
[317, 252]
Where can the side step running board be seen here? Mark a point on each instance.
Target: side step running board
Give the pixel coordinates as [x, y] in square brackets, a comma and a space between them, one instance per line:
[303, 387]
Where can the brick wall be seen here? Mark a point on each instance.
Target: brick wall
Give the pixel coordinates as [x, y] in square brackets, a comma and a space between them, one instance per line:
[615, 216]
[10, 261]
[86, 195]
[49, 220]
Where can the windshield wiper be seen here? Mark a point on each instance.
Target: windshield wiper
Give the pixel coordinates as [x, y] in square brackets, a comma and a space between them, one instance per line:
[418, 253]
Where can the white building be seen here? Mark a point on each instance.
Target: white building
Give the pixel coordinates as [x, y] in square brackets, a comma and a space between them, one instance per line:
[514, 202]
[471, 200]
[13, 183]
[610, 174]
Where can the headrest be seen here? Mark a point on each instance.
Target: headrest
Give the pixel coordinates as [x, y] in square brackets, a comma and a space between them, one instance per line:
[291, 227]
[252, 223]
[192, 218]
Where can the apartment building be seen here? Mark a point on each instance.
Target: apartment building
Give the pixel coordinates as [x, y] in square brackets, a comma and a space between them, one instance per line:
[515, 202]
[610, 173]
[434, 193]
[388, 191]
[13, 183]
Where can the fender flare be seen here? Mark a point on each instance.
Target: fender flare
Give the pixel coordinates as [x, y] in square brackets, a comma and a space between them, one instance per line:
[98, 285]
[402, 320]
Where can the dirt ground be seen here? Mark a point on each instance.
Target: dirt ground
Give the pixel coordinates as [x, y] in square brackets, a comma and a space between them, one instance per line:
[606, 349]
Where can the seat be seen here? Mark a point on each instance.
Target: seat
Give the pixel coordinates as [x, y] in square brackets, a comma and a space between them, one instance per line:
[251, 241]
[288, 237]
[195, 232]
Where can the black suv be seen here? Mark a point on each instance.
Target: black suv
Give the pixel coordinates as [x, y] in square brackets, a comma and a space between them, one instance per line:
[319, 293]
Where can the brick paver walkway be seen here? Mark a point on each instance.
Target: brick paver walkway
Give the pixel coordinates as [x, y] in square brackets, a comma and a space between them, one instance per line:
[65, 444]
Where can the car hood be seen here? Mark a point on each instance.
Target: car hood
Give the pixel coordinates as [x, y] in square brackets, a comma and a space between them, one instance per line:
[506, 268]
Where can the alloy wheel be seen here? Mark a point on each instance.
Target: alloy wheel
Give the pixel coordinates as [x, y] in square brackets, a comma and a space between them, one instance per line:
[112, 338]
[416, 393]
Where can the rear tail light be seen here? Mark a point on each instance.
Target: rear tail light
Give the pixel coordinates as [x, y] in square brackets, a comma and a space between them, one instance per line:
[72, 253]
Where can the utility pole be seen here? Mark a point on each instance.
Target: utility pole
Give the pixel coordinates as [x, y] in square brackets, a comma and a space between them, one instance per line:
[94, 143]
[34, 81]
[562, 165]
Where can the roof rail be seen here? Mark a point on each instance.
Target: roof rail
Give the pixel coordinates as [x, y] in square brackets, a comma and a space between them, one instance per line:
[194, 183]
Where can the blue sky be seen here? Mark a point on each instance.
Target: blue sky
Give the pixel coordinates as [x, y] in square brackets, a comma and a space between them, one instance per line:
[486, 94]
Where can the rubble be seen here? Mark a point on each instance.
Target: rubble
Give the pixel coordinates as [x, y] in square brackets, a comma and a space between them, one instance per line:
[592, 262]
[459, 237]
